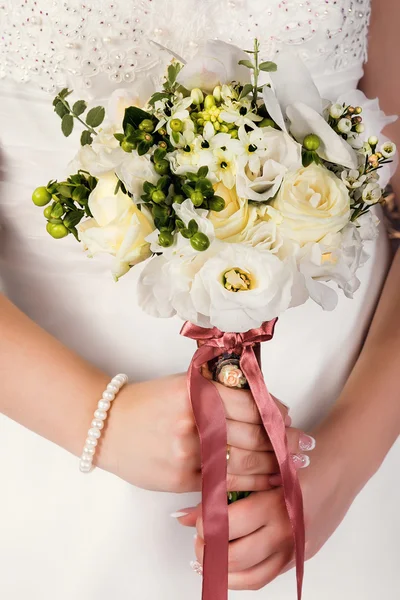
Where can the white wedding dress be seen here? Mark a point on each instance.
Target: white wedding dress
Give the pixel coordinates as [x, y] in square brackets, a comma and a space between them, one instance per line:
[65, 535]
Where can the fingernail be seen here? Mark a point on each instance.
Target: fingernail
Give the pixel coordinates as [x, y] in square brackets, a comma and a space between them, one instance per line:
[196, 566]
[307, 443]
[275, 480]
[182, 513]
[301, 461]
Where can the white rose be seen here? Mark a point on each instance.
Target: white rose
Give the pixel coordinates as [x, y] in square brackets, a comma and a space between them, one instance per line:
[102, 156]
[215, 64]
[313, 202]
[234, 219]
[241, 287]
[118, 227]
[134, 170]
[263, 228]
[282, 154]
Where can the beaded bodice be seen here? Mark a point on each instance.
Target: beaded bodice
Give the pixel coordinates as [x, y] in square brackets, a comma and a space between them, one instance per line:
[94, 43]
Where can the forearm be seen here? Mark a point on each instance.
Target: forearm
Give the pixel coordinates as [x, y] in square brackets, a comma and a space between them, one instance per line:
[366, 419]
[45, 386]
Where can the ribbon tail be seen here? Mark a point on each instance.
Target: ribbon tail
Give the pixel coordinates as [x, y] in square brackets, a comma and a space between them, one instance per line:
[275, 428]
[210, 418]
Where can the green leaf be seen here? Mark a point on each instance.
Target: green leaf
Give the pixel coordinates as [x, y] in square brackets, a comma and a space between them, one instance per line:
[202, 172]
[79, 194]
[148, 187]
[173, 71]
[64, 93]
[186, 234]
[57, 211]
[64, 190]
[163, 183]
[134, 116]
[179, 224]
[193, 227]
[247, 63]
[119, 136]
[61, 109]
[247, 89]
[142, 148]
[79, 107]
[67, 125]
[86, 138]
[158, 96]
[268, 66]
[159, 154]
[187, 190]
[73, 217]
[95, 116]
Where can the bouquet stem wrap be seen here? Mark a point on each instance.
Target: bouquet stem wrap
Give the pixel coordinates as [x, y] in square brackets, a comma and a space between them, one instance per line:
[210, 418]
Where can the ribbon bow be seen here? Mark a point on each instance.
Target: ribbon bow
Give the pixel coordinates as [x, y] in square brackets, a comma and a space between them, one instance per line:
[210, 418]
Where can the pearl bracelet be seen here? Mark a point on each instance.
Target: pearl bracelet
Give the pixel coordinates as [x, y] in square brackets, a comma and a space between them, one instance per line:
[100, 415]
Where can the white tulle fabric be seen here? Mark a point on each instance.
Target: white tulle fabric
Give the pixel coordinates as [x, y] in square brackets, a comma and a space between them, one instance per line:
[64, 535]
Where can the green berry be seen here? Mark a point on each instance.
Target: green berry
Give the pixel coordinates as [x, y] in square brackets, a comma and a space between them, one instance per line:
[57, 230]
[161, 167]
[197, 198]
[158, 196]
[47, 212]
[267, 123]
[199, 241]
[217, 204]
[178, 199]
[127, 146]
[41, 196]
[165, 239]
[311, 142]
[176, 125]
[147, 125]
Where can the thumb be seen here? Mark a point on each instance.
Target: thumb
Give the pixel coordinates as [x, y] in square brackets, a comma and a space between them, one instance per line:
[188, 516]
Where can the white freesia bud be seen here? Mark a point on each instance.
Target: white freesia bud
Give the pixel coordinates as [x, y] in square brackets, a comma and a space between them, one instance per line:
[336, 111]
[360, 128]
[373, 140]
[197, 96]
[345, 125]
[372, 193]
[388, 149]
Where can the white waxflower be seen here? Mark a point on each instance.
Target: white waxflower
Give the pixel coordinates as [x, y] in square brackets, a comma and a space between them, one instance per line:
[241, 287]
[253, 148]
[372, 193]
[353, 179]
[224, 167]
[345, 125]
[240, 113]
[388, 149]
[336, 111]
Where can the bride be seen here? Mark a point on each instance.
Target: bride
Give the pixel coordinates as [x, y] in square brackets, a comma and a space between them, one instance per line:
[110, 535]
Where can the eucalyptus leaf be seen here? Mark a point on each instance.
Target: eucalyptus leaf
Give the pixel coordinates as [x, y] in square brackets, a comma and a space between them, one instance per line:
[79, 107]
[67, 125]
[95, 116]
[247, 89]
[246, 63]
[268, 66]
[61, 109]
[158, 96]
[86, 138]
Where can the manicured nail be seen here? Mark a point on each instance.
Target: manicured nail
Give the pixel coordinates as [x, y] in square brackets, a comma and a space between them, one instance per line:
[196, 566]
[307, 443]
[178, 515]
[301, 461]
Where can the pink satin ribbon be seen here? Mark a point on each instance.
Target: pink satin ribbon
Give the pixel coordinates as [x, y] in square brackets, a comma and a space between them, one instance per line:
[211, 423]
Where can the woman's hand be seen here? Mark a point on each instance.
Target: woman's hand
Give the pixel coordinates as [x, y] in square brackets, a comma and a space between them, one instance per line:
[151, 438]
[261, 546]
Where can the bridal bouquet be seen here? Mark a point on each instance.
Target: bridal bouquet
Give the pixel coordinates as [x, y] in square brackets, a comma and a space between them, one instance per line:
[246, 194]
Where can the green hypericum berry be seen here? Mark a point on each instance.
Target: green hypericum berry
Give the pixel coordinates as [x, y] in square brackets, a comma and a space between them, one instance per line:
[147, 125]
[178, 199]
[197, 198]
[41, 196]
[127, 146]
[311, 142]
[165, 239]
[217, 204]
[176, 125]
[158, 196]
[57, 230]
[161, 167]
[199, 241]
[267, 123]
[47, 212]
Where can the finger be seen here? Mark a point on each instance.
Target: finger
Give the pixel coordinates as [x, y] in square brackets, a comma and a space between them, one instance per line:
[247, 436]
[253, 549]
[259, 576]
[248, 483]
[240, 406]
[245, 462]
[187, 516]
[248, 515]
[298, 441]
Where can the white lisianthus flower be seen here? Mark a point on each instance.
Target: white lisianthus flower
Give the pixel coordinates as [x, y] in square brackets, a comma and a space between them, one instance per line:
[103, 156]
[242, 287]
[233, 220]
[217, 63]
[118, 227]
[122, 98]
[134, 170]
[372, 193]
[261, 179]
[313, 202]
